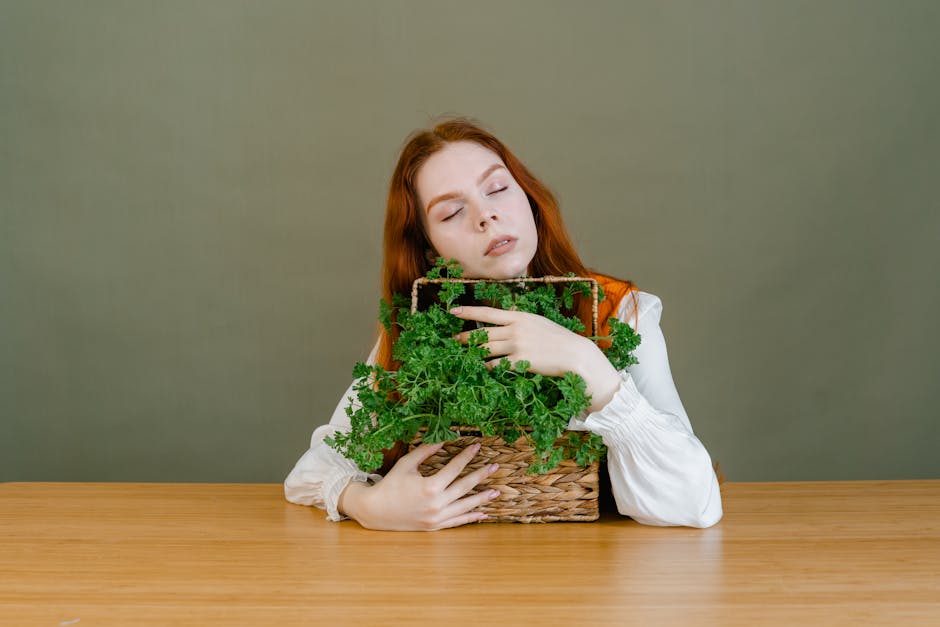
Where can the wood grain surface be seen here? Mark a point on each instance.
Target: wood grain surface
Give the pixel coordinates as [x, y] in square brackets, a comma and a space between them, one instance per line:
[826, 553]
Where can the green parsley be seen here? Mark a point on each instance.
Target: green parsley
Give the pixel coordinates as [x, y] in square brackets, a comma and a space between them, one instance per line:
[443, 385]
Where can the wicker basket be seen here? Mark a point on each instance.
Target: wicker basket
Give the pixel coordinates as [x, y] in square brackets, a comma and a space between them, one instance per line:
[568, 493]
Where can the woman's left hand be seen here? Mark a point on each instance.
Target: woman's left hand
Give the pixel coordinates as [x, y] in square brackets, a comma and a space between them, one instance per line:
[549, 348]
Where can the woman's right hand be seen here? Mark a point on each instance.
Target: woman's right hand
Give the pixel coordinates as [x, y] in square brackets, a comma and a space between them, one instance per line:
[404, 500]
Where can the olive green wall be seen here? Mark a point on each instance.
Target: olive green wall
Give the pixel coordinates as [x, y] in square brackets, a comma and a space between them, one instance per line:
[192, 198]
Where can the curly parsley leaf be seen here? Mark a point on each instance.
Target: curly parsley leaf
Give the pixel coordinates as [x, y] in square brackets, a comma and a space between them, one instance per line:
[443, 385]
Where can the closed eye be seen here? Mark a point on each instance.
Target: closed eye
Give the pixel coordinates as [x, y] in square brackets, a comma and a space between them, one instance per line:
[452, 215]
[501, 189]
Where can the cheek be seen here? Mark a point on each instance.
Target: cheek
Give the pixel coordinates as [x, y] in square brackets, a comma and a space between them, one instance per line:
[523, 215]
[522, 210]
[435, 234]
[445, 244]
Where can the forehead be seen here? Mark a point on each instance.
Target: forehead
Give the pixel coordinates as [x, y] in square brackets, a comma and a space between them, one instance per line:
[453, 168]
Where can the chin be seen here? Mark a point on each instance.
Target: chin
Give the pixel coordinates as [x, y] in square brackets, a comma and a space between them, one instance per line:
[494, 274]
[510, 271]
[505, 268]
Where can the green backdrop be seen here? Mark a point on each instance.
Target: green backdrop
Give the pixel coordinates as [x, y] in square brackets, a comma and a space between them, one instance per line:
[191, 198]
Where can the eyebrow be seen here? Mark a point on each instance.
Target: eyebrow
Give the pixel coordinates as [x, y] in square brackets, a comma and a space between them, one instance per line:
[480, 180]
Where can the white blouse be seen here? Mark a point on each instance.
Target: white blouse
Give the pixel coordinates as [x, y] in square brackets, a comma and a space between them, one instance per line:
[660, 473]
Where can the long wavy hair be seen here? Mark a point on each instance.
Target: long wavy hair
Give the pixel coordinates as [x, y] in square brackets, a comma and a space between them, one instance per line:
[406, 244]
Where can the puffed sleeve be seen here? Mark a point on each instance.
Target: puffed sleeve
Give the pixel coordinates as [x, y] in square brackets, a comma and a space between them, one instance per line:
[322, 473]
[660, 473]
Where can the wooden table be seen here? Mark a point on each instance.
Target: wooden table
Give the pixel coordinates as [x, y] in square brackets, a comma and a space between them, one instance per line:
[864, 552]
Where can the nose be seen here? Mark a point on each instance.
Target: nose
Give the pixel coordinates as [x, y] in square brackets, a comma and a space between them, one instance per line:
[486, 215]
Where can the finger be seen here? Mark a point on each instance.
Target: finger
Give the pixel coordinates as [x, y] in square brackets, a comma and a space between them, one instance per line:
[461, 486]
[419, 455]
[469, 503]
[492, 333]
[486, 314]
[463, 519]
[464, 336]
[499, 348]
[492, 363]
[446, 475]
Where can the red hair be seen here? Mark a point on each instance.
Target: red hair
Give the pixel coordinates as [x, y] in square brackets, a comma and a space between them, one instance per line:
[406, 244]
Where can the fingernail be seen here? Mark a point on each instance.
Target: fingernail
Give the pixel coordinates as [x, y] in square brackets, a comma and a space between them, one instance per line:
[456, 310]
[493, 468]
[482, 517]
[475, 447]
[494, 494]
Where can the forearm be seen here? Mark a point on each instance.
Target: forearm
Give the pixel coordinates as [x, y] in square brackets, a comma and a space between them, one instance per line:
[660, 472]
[601, 378]
[350, 502]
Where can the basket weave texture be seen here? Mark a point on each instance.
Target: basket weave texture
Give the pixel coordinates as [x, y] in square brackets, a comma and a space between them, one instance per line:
[567, 493]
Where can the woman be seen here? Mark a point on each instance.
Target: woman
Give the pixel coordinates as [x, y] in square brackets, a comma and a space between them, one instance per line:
[459, 193]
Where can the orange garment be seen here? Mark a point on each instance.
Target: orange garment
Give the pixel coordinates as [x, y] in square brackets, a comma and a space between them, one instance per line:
[614, 292]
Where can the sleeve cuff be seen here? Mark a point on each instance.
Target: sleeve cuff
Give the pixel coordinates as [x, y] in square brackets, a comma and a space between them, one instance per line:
[334, 485]
[625, 412]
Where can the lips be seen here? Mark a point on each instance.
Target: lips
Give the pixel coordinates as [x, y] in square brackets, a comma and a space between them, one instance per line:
[500, 245]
